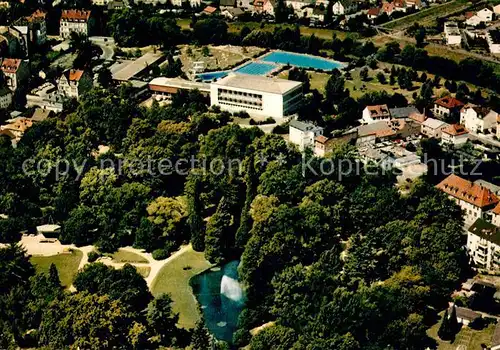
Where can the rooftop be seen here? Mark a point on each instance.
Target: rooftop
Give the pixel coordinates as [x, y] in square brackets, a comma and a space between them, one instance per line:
[486, 230]
[465, 313]
[403, 112]
[258, 83]
[433, 123]
[10, 65]
[162, 82]
[75, 15]
[449, 102]
[128, 69]
[303, 126]
[378, 111]
[462, 189]
[73, 74]
[455, 130]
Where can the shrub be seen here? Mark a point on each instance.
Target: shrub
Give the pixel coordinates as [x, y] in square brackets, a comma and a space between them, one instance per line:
[280, 129]
[93, 256]
[160, 254]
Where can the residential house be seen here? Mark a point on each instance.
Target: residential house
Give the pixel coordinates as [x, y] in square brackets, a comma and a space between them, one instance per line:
[46, 97]
[465, 316]
[318, 15]
[232, 13]
[374, 13]
[452, 33]
[433, 128]
[15, 70]
[265, 6]
[447, 108]
[455, 135]
[483, 16]
[372, 114]
[388, 8]
[298, 5]
[478, 119]
[17, 128]
[476, 200]
[343, 7]
[195, 3]
[400, 5]
[38, 27]
[384, 130]
[493, 40]
[324, 145]
[415, 4]
[73, 83]
[74, 21]
[5, 98]
[304, 134]
[483, 244]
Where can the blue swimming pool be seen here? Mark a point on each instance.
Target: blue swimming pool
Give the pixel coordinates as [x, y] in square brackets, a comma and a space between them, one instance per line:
[256, 68]
[302, 61]
[210, 76]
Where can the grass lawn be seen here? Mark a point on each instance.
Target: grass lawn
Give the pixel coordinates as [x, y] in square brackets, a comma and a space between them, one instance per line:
[143, 270]
[67, 265]
[123, 256]
[469, 338]
[428, 16]
[174, 278]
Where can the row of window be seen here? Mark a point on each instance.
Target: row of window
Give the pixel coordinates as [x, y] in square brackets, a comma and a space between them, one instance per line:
[240, 93]
[242, 106]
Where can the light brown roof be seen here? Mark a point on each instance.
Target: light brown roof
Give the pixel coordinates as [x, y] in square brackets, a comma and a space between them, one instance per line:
[75, 15]
[10, 65]
[374, 11]
[321, 139]
[210, 9]
[455, 130]
[472, 193]
[387, 7]
[21, 124]
[378, 111]
[449, 102]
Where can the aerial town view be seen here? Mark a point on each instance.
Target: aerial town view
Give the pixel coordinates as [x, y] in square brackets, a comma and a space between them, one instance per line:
[250, 174]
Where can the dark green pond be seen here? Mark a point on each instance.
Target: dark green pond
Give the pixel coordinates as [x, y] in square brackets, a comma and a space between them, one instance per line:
[221, 298]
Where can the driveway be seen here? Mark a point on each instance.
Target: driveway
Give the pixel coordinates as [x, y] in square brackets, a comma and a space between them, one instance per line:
[107, 45]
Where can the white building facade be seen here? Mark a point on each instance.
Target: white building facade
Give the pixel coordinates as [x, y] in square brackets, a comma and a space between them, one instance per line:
[74, 21]
[483, 245]
[478, 119]
[304, 134]
[256, 95]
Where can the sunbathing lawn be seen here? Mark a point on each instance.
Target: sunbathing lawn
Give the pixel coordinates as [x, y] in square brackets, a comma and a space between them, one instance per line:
[144, 271]
[174, 278]
[123, 256]
[470, 338]
[67, 265]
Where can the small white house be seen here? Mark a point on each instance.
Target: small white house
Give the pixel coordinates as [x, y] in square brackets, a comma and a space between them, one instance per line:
[373, 114]
[433, 128]
[304, 134]
[478, 119]
[483, 16]
[343, 7]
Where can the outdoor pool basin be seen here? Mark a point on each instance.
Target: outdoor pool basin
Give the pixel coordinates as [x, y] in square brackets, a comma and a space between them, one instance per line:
[256, 68]
[211, 76]
[300, 60]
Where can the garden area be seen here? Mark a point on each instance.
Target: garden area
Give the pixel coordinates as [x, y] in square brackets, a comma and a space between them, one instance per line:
[174, 278]
[66, 264]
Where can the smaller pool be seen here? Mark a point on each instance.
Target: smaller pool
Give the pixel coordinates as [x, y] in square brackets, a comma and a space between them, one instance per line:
[256, 68]
[300, 60]
[210, 76]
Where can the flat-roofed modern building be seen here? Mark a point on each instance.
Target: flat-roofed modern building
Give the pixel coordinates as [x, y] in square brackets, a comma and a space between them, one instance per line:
[257, 95]
[167, 87]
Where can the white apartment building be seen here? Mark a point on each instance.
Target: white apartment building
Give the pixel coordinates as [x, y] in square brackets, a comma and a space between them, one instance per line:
[256, 95]
[304, 134]
[452, 33]
[476, 200]
[74, 21]
[433, 128]
[478, 119]
[483, 244]
[5, 98]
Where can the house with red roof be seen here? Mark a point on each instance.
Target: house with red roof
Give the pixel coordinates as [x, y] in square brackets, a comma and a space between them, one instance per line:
[477, 201]
[15, 72]
[73, 83]
[210, 10]
[74, 21]
[374, 13]
[447, 108]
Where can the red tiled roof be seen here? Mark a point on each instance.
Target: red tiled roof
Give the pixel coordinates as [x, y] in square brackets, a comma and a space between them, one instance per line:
[455, 130]
[387, 7]
[467, 191]
[75, 15]
[321, 139]
[10, 65]
[374, 11]
[449, 102]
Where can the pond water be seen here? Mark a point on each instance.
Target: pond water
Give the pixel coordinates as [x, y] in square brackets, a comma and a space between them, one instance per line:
[221, 298]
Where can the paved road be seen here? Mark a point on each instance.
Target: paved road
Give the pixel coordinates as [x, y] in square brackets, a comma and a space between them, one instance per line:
[107, 45]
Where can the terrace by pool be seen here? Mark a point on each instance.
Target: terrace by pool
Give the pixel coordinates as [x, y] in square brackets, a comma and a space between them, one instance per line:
[300, 60]
[210, 76]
